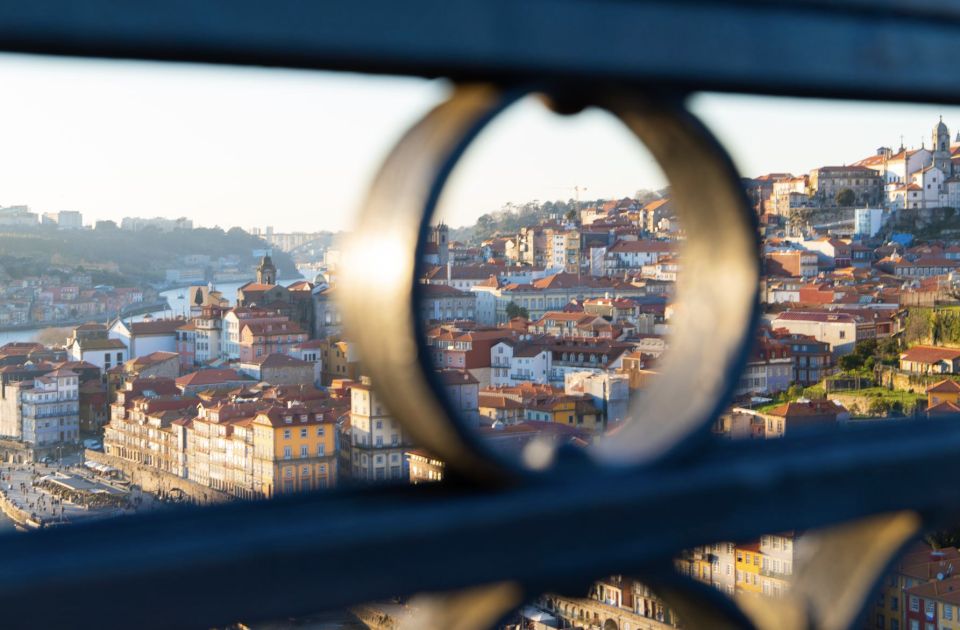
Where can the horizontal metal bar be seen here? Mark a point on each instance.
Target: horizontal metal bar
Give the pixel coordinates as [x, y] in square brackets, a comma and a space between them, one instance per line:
[267, 557]
[888, 49]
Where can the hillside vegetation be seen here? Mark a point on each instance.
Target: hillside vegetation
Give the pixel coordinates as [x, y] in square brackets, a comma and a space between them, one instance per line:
[143, 255]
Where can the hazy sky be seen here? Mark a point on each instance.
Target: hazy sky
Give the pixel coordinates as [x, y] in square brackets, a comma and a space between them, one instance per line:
[250, 147]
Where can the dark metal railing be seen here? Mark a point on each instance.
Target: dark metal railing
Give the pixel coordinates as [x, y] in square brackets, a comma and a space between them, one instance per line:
[663, 486]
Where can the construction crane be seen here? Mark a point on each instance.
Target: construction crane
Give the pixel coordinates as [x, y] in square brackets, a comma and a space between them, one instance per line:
[576, 191]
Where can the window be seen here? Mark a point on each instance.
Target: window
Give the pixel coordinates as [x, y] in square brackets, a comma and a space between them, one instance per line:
[948, 612]
[286, 434]
[320, 453]
[914, 604]
[303, 451]
[287, 453]
[303, 433]
[320, 431]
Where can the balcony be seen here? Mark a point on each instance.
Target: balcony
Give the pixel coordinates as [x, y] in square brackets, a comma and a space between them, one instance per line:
[775, 574]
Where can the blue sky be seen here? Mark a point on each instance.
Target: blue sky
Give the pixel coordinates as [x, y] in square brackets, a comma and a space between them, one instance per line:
[293, 149]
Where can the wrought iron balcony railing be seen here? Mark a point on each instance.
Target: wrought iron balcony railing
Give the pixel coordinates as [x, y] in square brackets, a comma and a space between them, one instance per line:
[478, 536]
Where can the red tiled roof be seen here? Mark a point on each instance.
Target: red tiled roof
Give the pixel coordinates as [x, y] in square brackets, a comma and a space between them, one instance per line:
[456, 377]
[154, 357]
[930, 354]
[816, 316]
[273, 328]
[209, 377]
[275, 359]
[634, 247]
[156, 327]
[946, 386]
[944, 408]
[253, 287]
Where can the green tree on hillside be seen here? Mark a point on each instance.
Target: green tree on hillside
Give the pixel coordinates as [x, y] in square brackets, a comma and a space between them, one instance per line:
[515, 310]
[846, 198]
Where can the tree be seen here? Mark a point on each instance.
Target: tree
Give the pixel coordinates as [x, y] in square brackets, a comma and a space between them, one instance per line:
[644, 196]
[879, 407]
[846, 197]
[571, 215]
[515, 310]
[849, 362]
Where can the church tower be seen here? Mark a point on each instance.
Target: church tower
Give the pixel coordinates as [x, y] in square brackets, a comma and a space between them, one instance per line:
[439, 236]
[941, 147]
[266, 272]
[941, 137]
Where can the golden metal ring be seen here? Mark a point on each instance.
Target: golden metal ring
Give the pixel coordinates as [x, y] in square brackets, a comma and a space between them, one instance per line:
[716, 299]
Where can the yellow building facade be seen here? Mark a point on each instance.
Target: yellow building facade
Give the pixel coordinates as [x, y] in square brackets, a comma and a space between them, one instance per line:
[748, 568]
[294, 451]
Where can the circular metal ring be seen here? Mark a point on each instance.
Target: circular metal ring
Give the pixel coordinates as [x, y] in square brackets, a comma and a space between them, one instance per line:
[716, 298]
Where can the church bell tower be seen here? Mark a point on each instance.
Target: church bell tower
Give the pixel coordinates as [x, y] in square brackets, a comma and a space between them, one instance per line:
[266, 271]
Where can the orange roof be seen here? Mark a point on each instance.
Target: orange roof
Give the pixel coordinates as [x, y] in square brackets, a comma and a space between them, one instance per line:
[930, 354]
[946, 408]
[209, 377]
[156, 327]
[944, 387]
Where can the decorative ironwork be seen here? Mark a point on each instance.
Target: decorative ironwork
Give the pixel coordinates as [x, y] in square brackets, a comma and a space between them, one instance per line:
[480, 533]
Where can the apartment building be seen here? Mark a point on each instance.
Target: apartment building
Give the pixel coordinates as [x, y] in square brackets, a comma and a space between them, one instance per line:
[377, 441]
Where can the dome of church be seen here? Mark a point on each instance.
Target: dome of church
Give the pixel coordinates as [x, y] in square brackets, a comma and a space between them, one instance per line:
[941, 127]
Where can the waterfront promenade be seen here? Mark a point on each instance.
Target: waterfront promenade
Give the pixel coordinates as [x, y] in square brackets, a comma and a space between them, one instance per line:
[38, 495]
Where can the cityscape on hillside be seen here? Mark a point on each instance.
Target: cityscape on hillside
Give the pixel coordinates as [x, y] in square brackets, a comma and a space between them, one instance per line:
[222, 370]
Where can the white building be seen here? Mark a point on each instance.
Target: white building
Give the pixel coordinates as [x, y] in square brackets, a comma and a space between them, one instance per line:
[51, 409]
[43, 411]
[90, 343]
[147, 336]
[867, 221]
[514, 362]
[609, 392]
[376, 440]
[840, 330]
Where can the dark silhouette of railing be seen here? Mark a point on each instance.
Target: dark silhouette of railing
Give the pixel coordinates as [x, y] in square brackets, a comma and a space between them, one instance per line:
[661, 488]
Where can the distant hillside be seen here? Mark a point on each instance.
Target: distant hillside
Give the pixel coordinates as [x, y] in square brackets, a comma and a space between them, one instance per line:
[511, 217]
[142, 255]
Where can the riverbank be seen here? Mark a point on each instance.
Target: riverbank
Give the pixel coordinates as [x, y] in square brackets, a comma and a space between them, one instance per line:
[21, 519]
[173, 302]
[141, 309]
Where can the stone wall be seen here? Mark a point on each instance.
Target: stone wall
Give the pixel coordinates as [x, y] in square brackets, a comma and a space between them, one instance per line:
[19, 516]
[157, 481]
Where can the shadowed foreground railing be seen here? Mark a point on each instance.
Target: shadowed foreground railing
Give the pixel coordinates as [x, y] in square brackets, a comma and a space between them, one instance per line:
[661, 487]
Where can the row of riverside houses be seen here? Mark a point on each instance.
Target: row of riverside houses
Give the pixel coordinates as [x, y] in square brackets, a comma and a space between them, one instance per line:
[252, 441]
[51, 298]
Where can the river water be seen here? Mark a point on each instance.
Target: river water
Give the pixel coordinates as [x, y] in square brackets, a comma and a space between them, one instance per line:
[178, 300]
